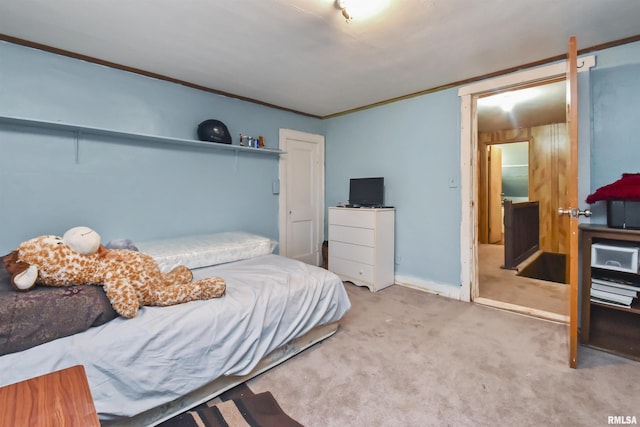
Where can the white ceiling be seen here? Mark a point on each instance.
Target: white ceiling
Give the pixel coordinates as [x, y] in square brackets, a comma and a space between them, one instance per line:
[548, 106]
[302, 55]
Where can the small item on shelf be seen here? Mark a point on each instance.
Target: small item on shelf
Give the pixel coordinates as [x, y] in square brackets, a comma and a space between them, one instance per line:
[214, 131]
[248, 141]
[261, 141]
[618, 283]
[619, 256]
[623, 201]
[626, 188]
[611, 298]
[613, 291]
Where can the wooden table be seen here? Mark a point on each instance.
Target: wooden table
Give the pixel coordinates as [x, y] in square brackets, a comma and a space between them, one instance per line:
[57, 399]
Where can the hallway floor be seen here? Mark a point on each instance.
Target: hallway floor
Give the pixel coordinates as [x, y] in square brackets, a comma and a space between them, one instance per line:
[504, 287]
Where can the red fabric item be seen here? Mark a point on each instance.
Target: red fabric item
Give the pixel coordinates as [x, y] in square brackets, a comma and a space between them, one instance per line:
[626, 188]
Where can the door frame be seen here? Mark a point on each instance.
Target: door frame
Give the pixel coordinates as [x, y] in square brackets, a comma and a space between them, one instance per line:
[284, 135]
[469, 163]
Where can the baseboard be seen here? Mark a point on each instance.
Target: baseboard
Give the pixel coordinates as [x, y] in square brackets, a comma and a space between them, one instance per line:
[449, 291]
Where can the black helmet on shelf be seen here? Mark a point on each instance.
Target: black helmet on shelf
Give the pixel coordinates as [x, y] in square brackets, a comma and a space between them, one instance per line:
[214, 131]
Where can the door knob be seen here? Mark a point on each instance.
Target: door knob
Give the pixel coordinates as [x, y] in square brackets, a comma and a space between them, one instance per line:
[574, 212]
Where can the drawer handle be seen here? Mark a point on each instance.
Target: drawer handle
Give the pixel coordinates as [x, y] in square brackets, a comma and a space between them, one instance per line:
[614, 263]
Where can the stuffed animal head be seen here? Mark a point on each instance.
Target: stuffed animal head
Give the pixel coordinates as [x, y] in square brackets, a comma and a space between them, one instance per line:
[82, 240]
[33, 259]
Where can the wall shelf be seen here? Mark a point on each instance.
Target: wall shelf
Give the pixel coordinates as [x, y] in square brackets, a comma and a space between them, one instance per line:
[134, 137]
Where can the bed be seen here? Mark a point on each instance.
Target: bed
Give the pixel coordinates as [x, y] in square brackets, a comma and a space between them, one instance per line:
[144, 370]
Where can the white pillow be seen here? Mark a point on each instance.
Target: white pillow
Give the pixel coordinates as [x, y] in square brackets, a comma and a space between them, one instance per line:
[206, 249]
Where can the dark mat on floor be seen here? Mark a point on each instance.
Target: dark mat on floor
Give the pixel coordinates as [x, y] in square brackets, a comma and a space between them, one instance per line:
[547, 266]
[237, 407]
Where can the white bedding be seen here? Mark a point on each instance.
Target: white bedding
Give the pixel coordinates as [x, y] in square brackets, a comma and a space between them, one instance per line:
[165, 352]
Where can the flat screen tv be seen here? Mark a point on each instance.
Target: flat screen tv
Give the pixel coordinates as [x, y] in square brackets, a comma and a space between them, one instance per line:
[366, 192]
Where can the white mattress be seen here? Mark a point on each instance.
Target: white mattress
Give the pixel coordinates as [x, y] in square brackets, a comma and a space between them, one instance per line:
[206, 249]
[165, 352]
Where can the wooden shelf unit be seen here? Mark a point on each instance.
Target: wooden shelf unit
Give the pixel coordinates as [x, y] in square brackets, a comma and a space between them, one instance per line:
[602, 326]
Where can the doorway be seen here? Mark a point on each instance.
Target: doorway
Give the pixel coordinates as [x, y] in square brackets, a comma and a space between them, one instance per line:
[508, 123]
[522, 147]
[469, 94]
[504, 176]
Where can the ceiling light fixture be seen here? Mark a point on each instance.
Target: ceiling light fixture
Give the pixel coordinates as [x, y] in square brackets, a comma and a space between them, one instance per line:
[360, 9]
[342, 5]
[508, 100]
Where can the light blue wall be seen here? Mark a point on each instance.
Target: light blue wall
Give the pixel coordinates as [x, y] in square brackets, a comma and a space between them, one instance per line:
[616, 118]
[122, 189]
[415, 145]
[151, 191]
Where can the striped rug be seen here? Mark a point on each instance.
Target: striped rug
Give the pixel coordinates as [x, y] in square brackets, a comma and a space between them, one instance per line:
[238, 407]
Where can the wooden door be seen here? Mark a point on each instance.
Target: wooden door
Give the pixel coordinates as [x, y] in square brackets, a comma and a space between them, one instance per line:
[483, 193]
[495, 194]
[572, 198]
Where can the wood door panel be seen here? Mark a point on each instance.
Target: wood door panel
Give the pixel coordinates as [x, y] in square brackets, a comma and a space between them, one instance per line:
[548, 165]
[572, 198]
[483, 193]
[548, 156]
[495, 194]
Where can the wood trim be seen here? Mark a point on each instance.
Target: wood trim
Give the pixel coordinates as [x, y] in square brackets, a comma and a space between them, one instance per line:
[525, 311]
[572, 198]
[524, 86]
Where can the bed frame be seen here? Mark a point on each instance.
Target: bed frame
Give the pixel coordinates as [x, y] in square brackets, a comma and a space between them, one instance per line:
[218, 386]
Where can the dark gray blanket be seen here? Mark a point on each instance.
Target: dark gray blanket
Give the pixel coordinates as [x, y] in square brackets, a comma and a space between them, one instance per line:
[46, 313]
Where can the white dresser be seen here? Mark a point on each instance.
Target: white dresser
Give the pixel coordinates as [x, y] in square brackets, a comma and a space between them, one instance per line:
[362, 246]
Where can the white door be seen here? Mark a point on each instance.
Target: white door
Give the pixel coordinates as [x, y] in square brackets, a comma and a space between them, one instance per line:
[301, 195]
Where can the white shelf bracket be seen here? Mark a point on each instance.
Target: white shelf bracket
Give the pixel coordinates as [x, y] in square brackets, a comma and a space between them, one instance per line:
[76, 146]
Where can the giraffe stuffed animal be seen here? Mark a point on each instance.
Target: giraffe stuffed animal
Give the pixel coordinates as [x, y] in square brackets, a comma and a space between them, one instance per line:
[130, 279]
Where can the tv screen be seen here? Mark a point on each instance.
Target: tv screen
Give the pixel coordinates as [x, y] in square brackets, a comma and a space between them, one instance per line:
[368, 192]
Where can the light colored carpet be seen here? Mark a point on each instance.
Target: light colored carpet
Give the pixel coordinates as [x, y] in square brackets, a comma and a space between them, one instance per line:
[403, 357]
[506, 286]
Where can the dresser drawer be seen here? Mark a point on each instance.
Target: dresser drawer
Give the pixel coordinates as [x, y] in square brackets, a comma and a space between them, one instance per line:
[355, 270]
[357, 253]
[357, 236]
[363, 218]
[615, 257]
